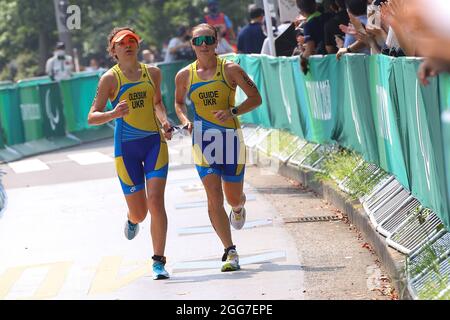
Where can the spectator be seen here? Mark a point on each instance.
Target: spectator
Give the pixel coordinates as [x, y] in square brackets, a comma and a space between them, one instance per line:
[148, 57]
[219, 20]
[164, 50]
[312, 28]
[312, 31]
[223, 46]
[332, 27]
[390, 12]
[12, 68]
[179, 47]
[357, 8]
[251, 37]
[60, 66]
[94, 65]
[157, 55]
[423, 28]
[300, 42]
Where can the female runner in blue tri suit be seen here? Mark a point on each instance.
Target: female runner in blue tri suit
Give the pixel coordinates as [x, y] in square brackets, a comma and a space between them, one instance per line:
[218, 146]
[141, 153]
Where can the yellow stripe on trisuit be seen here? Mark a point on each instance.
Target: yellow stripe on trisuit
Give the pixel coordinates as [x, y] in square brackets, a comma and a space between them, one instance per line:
[122, 171]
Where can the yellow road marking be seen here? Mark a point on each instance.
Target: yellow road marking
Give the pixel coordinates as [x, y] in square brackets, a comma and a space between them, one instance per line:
[106, 279]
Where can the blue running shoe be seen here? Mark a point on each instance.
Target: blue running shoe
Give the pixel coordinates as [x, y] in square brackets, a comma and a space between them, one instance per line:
[159, 272]
[131, 230]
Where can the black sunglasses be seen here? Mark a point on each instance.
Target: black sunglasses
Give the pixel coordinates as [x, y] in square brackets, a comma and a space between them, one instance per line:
[208, 40]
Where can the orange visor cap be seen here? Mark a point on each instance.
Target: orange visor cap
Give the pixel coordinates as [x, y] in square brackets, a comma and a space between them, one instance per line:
[122, 34]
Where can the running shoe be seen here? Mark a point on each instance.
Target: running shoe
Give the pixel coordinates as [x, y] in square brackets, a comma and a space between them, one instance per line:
[231, 263]
[237, 219]
[131, 230]
[159, 272]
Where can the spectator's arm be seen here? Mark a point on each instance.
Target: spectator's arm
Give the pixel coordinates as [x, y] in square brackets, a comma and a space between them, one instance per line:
[431, 68]
[404, 40]
[354, 47]
[392, 12]
[229, 26]
[228, 22]
[48, 67]
[310, 49]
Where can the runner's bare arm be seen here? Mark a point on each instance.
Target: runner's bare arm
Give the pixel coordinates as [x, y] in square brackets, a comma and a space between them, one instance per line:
[238, 77]
[105, 90]
[181, 87]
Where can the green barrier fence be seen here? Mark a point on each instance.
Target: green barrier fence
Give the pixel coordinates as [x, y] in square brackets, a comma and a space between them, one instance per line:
[444, 90]
[354, 127]
[262, 114]
[384, 99]
[30, 110]
[11, 119]
[421, 127]
[169, 71]
[52, 110]
[373, 105]
[77, 96]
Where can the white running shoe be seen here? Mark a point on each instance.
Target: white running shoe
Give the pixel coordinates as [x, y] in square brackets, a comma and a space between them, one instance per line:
[237, 219]
[232, 261]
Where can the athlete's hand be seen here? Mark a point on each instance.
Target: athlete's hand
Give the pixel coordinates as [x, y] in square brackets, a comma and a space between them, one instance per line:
[223, 115]
[188, 126]
[121, 110]
[166, 128]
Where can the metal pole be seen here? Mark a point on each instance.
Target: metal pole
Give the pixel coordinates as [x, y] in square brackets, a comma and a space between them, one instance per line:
[63, 32]
[269, 27]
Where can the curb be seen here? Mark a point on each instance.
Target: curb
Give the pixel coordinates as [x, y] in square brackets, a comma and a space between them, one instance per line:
[94, 134]
[392, 260]
[37, 147]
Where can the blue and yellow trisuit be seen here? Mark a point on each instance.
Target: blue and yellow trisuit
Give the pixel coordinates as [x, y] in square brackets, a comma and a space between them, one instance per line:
[218, 148]
[140, 150]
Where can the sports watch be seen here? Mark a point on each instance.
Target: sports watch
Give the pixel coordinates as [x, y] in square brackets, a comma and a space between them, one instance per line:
[234, 111]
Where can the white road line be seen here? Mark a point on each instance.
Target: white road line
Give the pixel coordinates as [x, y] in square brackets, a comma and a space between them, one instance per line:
[25, 166]
[88, 158]
[58, 161]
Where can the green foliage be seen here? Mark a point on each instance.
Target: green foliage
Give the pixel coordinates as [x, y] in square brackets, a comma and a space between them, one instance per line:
[428, 260]
[29, 27]
[433, 288]
[348, 165]
[339, 165]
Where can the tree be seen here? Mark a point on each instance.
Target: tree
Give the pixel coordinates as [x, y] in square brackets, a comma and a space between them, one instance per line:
[28, 29]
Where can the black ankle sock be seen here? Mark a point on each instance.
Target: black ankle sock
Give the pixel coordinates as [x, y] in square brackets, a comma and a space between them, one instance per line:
[159, 258]
[224, 257]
